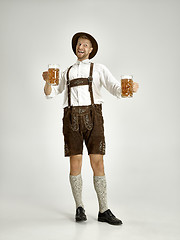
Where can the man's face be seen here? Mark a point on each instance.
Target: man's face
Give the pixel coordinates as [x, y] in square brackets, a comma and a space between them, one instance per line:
[83, 49]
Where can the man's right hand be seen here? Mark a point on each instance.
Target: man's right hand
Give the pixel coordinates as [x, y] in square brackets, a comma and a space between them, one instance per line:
[45, 76]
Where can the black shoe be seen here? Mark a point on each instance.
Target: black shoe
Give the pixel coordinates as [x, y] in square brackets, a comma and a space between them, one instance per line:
[108, 217]
[80, 214]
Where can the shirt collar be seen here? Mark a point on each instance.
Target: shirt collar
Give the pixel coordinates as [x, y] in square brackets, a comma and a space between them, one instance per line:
[84, 61]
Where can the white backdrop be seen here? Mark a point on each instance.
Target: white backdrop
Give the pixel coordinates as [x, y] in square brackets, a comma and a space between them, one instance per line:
[142, 134]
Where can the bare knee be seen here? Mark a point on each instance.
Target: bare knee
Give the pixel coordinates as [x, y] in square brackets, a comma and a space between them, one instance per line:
[75, 164]
[97, 164]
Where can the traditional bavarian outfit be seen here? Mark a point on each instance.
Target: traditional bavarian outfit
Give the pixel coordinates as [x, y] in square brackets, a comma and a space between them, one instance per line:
[83, 122]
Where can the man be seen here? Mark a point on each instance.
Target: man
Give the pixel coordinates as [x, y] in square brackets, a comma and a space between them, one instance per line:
[83, 120]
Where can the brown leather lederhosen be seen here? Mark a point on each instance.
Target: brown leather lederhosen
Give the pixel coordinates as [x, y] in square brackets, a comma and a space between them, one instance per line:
[83, 122]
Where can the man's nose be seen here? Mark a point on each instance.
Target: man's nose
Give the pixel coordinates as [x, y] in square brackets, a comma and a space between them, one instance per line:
[80, 47]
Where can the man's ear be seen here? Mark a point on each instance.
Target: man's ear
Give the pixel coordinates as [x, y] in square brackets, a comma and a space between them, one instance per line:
[91, 50]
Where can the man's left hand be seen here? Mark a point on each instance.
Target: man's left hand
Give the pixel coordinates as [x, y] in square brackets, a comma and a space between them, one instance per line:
[135, 87]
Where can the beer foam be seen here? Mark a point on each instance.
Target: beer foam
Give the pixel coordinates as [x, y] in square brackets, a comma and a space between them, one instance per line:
[53, 66]
[126, 77]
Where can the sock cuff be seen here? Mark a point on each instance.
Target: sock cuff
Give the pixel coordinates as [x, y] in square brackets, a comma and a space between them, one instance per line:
[99, 177]
[74, 177]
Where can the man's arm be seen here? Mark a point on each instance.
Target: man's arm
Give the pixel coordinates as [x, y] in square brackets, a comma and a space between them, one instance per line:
[112, 84]
[51, 91]
[109, 82]
[47, 87]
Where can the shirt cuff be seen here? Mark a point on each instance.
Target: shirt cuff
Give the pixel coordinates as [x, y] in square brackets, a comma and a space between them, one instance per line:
[118, 95]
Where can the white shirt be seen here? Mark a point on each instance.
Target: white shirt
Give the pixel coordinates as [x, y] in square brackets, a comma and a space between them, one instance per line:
[80, 95]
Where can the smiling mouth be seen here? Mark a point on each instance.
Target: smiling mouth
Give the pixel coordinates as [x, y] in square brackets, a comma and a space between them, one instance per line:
[80, 52]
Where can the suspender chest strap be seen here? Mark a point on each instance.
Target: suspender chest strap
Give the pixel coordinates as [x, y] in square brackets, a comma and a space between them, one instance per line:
[90, 79]
[69, 88]
[79, 82]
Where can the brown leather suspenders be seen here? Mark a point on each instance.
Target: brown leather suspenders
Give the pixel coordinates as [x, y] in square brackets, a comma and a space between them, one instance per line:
[69, 88]
[80, 82]
[90, 79]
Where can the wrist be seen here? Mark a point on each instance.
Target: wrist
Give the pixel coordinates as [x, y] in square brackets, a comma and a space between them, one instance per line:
[48, 83]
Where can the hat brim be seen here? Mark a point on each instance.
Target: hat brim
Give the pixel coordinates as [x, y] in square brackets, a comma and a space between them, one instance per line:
[93, 41]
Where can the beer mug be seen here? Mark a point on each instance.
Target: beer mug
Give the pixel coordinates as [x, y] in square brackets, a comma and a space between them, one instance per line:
[53, 74]
[127, 86]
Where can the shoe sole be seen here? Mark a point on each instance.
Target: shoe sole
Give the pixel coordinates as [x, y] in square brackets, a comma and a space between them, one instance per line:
[103, 220]
[81, 220]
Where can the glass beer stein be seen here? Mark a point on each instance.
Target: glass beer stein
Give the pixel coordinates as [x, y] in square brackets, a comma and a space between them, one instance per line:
[127, 86]
[53, 74]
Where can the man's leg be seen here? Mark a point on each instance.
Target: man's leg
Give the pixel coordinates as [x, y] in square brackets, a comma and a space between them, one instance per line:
[75, 164]
[99, 180]
[105, 214]
[76, 185]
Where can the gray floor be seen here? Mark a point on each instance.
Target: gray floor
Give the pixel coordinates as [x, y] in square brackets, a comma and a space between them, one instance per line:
[28, 220]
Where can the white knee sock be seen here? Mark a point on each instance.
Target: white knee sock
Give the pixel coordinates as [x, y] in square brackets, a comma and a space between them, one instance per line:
[76, 186]
[100, 186]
